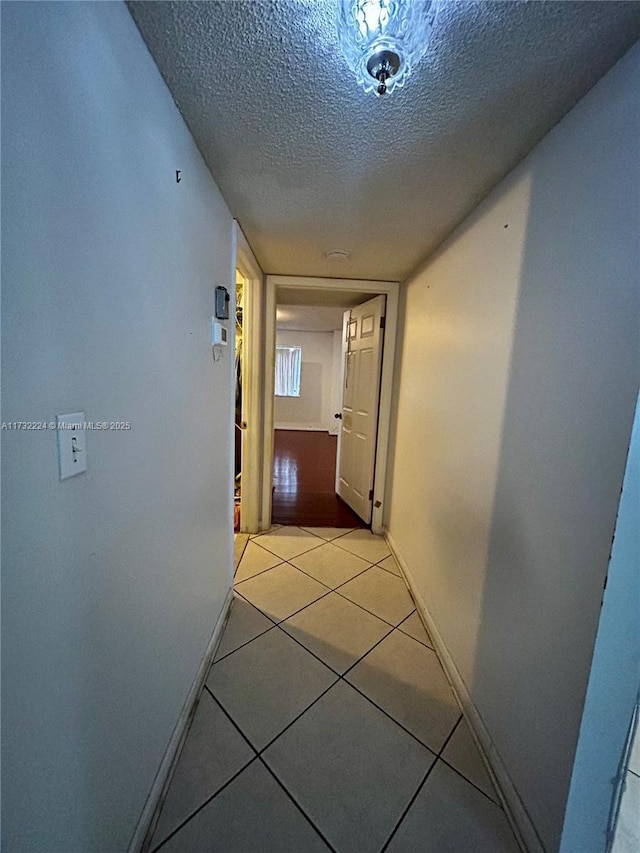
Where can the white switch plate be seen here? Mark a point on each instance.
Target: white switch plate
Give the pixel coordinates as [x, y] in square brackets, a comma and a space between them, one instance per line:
[219, 333]
[72, 446]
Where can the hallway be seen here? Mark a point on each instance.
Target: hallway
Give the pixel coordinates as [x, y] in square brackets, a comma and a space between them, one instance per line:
[326, 722]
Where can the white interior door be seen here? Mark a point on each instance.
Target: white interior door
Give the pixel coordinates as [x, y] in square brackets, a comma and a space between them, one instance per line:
[364, 332]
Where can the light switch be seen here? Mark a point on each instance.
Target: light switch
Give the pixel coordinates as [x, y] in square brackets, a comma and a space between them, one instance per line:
[72, 447]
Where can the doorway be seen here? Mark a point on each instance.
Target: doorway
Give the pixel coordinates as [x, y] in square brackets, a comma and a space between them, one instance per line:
[249, 377]
[308, 398]
[286, 292]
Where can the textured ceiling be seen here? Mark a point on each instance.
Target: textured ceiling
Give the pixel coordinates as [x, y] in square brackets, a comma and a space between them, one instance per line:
[308, 163]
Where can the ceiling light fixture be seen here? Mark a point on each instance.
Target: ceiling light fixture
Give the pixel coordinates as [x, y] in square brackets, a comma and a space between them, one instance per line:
[337, 255]
[383, 40]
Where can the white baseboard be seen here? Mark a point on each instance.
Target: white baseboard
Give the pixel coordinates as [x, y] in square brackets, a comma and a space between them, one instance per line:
[151, 811]
[518, 816]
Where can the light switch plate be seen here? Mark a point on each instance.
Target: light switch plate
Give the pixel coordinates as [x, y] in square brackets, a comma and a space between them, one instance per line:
[72, 446]
[219, 333]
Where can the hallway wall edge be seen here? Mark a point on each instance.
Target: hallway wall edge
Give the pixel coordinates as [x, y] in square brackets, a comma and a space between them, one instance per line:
[515, 811]
[140, 841]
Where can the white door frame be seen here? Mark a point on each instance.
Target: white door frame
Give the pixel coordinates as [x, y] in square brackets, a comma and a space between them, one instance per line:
[391, 289]
[252, 379]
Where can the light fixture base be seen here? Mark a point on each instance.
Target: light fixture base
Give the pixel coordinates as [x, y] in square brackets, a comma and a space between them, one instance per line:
[382, 66]
[383, 40]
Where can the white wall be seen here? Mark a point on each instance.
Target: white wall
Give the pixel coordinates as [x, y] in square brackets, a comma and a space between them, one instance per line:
[312, 410]
[112, 581]
[517, 386]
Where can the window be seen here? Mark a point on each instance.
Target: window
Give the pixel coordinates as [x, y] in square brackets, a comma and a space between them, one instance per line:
[288, 365]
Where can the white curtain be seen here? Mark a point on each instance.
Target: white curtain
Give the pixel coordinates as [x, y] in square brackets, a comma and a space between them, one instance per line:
[288, 364]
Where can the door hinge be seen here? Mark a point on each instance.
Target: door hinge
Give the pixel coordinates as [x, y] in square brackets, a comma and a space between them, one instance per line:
[382, 322]
[370, 494]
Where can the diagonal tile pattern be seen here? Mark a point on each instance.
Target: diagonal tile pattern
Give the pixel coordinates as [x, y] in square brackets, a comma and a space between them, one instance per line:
[245, 623]
[254, 561]
[330, 565]
[352, 779]
[454, 816]
[214, 752]
[326, 722]
[266, 684]
[413, 627]
[327, 533]
[287, 542]
[391, 566]
[405, 679]
[336, 630]
[282, 591]
[252, 814]
[462, 754]
[381, 593]
[363, 544]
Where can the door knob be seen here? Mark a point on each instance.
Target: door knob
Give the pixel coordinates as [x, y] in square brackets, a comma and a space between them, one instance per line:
[338, 415]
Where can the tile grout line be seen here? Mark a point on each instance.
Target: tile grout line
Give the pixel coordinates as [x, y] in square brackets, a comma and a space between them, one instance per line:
[233, 651]
[244, 548]
[296, 804]
[257, 574]
[337, 589]
[206, 802]
[258, 756]
[357, 555]
[371, 613]
[333, 589]
[341, 677]
[325, 542]
[301, 714]
[329, 589]
[347, 530]
[295, 613]
[347, 671]
[285, 559]
[279, 624]
[260, 752]
[338, 675]
[288, 561]
[293, 566]
[388, 715]
[420, 787]
[473, 784]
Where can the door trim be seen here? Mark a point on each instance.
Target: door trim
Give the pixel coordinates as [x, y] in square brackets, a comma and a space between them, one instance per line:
[391, 290]
[252, 378]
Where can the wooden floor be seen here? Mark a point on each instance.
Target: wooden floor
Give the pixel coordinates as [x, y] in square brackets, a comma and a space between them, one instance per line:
[304, 470]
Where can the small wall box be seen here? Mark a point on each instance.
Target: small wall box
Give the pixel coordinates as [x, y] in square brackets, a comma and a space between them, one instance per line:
[222, 303]
[219, 334]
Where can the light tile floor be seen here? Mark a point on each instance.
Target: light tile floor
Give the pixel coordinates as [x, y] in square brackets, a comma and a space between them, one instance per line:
[327, 722]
